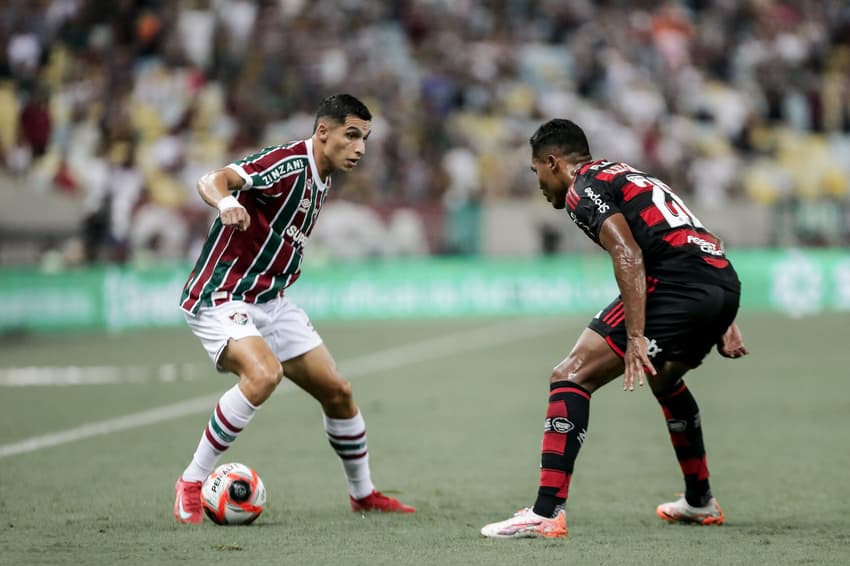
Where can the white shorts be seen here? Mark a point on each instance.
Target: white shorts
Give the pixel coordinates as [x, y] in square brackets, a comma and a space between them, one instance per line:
[281, 323]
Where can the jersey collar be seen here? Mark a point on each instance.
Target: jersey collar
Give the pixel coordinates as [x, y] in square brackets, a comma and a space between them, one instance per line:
[583, 169]
[320, 184]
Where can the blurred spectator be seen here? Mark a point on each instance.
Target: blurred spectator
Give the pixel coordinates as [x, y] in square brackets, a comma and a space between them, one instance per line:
[124, 187]
[723, 98]
[35, 123]
[350, 231]
[9, 118]
[95, 179]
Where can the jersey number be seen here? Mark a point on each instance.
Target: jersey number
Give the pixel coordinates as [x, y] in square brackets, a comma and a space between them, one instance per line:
[673, 210]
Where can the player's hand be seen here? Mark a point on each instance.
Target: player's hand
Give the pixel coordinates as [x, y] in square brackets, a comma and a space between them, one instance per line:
[236, 217]
[233, 214]
[731, 345]
[637, 363]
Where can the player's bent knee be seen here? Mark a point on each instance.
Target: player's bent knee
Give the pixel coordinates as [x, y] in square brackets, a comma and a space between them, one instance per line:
[261, 382]
[561, 373]
[669, 378]
[341, 392]
[338, 395]
[587, 368]
[568, 370]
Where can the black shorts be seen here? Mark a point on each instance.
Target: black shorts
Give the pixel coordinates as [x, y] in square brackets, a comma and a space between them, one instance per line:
[683, 322]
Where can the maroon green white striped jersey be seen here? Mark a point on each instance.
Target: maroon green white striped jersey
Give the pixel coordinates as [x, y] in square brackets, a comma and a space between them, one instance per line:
[283, 194]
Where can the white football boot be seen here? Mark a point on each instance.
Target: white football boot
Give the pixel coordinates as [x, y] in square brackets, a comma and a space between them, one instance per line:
[527, 524]
[680, 511]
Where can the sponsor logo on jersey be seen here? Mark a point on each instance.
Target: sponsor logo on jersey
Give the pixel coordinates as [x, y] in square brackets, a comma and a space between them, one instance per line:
[296, 234]
[283, 169]
[601, 206]
[304, 205]
[674, 425]
[558, 424]
[579, 223]
[705, 245]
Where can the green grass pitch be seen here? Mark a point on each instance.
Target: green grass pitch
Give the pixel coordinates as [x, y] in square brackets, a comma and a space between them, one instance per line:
[454, 432]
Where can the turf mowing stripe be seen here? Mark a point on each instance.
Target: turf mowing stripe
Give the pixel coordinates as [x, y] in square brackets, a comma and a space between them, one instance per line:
[47, 376]
[136, 420]
[392, 358]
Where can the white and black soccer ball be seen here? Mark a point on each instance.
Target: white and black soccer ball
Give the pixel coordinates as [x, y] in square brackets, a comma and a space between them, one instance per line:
[233, 494]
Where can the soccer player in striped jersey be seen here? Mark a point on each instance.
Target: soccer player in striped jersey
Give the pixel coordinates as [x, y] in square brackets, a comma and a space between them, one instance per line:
[678, 298]
[234, 299]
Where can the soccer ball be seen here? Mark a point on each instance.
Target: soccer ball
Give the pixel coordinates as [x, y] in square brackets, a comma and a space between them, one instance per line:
[233, 495]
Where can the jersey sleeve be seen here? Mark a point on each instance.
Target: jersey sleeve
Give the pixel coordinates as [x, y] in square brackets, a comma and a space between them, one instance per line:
[594, 203]
[253, 168]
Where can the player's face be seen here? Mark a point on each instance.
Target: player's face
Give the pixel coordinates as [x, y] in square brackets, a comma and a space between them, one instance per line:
[345, 143]
[549, 171]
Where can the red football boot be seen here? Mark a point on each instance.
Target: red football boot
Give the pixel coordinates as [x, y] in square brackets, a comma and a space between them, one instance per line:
[187, 504]
[377, 501]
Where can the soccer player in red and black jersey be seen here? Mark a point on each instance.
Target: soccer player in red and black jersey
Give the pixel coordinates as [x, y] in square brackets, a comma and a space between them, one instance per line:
[234, 299]
[679, 295]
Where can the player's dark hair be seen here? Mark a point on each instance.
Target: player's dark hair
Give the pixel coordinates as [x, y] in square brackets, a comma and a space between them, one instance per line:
[563, 135]
[339, 106]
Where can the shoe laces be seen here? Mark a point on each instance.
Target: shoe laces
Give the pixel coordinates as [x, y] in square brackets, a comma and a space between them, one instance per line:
[377, 495]
[192, 498]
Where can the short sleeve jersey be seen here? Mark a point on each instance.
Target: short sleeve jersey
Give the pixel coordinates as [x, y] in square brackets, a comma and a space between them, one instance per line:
[283, 195]
[676, 246]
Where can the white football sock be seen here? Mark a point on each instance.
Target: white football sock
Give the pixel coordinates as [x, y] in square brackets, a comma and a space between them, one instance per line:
[348, 439]
[231, 415]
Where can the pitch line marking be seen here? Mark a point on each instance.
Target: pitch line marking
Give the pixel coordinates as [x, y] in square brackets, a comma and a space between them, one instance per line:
[392, 358]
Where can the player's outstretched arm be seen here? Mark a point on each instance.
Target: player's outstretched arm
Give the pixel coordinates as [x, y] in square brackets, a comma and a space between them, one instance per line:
[731, 344]
[215, 188]
[617, 238]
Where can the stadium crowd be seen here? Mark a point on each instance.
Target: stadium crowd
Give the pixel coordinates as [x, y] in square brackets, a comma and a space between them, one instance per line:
[124, 104]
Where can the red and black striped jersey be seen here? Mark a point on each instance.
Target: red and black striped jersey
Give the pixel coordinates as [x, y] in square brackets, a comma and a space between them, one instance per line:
[676, 246]
[283, 194]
